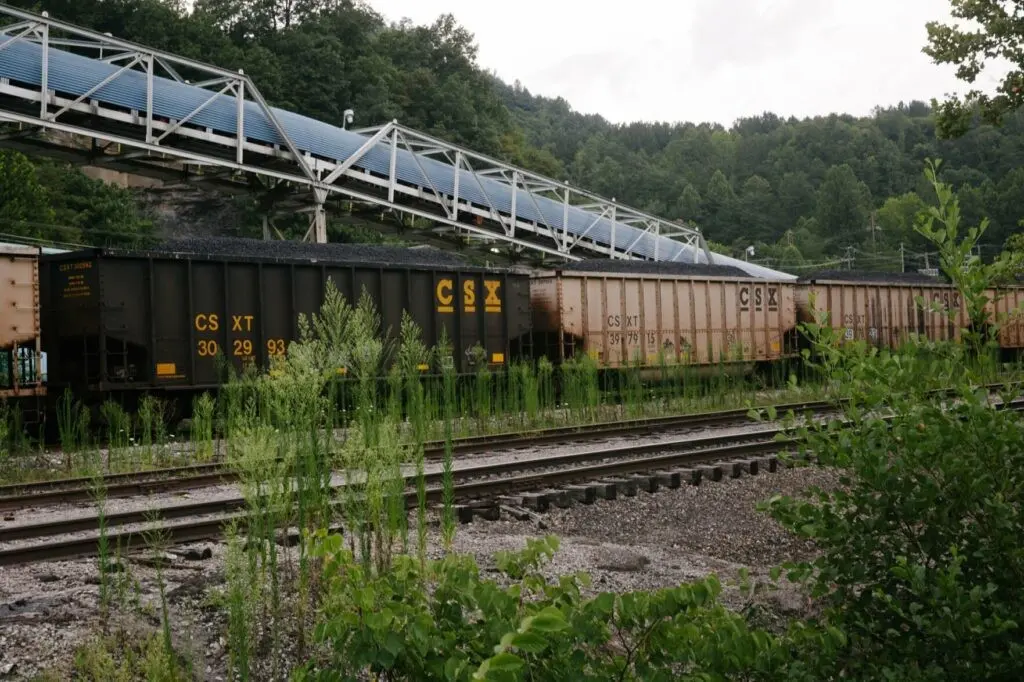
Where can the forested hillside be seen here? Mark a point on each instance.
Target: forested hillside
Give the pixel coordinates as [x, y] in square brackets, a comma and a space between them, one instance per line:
[801, 192]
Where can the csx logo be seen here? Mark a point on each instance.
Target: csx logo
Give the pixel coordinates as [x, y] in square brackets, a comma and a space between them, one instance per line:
[445, 294]
[759, 296]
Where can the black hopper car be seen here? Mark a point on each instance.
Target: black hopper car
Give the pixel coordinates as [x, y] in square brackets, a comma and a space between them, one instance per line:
[119, 321]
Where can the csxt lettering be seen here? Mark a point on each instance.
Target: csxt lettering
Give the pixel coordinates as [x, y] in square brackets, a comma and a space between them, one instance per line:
[443, 291]
[241, 323]
[627, 321]
[759, 295]
[207, 322]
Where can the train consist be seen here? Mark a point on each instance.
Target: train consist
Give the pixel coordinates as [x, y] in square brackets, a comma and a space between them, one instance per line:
[119, 322]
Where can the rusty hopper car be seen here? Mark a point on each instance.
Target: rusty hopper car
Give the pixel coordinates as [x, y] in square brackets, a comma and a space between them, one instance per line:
[20, 370]
[881, 308]
[1008, 305]
[624, 313]
[124, 320]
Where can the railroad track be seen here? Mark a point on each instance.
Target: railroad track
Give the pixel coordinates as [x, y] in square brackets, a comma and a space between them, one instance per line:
[119, 485]
[471, 483]
[489, 481]
[83, 489]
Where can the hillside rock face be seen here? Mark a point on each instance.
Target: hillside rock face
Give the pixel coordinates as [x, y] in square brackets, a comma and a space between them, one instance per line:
[191, 211]
[180, 210]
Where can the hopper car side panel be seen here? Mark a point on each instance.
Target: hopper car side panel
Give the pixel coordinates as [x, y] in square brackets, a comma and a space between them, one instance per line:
[20, 366]
[158, 321]
[627, 319]
[1008, 308]
[884, 315]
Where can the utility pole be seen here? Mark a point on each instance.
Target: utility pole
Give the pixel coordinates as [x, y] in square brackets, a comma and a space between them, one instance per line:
[903, 263]
[872, 227]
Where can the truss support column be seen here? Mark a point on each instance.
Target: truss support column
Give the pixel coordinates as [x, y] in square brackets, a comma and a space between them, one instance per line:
[393, 165]
[240, 118]
[565, 221]
[455, 189]
[266, 227]
[318, 225]
[511, 231]
[612, 240]
[149, 98]
[44, 76]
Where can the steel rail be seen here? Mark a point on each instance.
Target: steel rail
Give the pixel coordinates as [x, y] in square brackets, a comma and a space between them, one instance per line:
[487, 485]
[81, 489]
[479, 471]
[466, 487]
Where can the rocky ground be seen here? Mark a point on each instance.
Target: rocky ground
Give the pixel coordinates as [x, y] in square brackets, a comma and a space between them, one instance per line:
[648, 541]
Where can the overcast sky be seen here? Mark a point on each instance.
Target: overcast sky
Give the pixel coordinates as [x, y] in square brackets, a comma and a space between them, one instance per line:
[704, 60]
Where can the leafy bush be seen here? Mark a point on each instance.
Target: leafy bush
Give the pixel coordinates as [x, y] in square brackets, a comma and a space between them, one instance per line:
[442, 621]
[920, 564]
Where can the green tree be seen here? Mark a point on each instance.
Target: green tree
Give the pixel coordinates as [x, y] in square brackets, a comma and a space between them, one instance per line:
[806, 239]
[796, 197]
[995, 33]
[756, 208]
[24, 208]
[972, 277]
[919, 565]
[897, 219]
[720, 207]
[842, 206]
[1007, 198]
[90, 210]
[688, 206]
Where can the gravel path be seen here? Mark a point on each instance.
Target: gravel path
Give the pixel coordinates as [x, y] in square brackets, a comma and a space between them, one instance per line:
[648, 541]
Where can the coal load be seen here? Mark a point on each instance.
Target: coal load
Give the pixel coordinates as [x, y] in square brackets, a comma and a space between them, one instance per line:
[262, 250]
[873, 277]
[650, 267]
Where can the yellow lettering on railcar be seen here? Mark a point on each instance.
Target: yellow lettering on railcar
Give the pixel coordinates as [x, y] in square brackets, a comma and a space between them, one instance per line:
[241, 323]
[492, 302]
[469, 296]
[444, 296]
[242, 348]
[207, 322]
[275, 347]
[76, 287]
[207, 348]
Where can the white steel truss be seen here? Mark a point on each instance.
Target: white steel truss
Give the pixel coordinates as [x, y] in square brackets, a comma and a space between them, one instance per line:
[141, 141]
